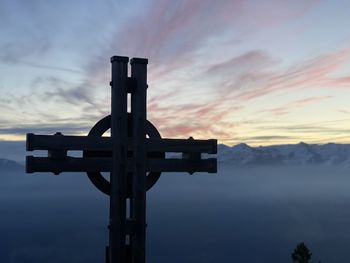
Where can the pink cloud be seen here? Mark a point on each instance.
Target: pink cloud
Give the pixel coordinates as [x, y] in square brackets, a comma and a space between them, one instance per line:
[310, 100]
[339, 82]
[198, 120]
[257, 77]
[313, 73]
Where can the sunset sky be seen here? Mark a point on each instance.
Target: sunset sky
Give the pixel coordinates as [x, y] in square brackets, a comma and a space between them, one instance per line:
[259, 72]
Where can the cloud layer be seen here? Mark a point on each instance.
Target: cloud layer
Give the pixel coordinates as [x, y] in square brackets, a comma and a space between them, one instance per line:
[210, 72]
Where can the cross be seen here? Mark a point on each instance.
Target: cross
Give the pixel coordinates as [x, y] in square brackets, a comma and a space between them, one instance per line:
[134, 154]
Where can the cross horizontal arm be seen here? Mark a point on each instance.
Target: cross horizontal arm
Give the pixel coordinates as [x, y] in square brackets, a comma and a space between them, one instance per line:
[182, 145]
[60, 142]
[68, 143]
[72, 164]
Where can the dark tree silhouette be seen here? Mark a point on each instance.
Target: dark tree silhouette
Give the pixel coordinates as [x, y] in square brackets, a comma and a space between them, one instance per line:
[301, 254]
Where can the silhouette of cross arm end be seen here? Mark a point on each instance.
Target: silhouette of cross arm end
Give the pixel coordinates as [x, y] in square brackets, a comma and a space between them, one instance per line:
[28, 167]
[31, 167]
[32, 144]
[29, 139]
[214, 145]
[210, 165]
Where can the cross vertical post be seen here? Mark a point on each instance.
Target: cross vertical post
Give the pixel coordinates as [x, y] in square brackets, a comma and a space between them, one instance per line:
[119, 134]
[138, 198]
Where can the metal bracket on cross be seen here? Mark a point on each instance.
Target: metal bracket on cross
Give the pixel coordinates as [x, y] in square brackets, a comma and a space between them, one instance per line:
[134, 154]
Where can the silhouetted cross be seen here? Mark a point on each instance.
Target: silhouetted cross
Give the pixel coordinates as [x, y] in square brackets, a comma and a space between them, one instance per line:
[134, 154]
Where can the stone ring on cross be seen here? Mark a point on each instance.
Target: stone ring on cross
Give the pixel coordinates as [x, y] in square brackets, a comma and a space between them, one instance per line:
[97, 178]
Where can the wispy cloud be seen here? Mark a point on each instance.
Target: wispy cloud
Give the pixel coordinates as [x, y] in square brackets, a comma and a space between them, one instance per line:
[296, 104]
[256, 74]
[51, 67]
[317, 128]
[13, 53]
[68, 128]
[344, 111]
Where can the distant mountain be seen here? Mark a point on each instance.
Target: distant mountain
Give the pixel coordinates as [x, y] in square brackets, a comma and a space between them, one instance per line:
[9, 165]
[13, 150]
[289, 154]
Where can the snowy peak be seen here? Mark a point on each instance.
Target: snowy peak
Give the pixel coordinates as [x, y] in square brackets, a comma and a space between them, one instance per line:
[242, 147]
[289, 154]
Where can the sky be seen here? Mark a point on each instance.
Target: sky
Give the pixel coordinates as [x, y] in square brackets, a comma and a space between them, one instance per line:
[259, 72]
